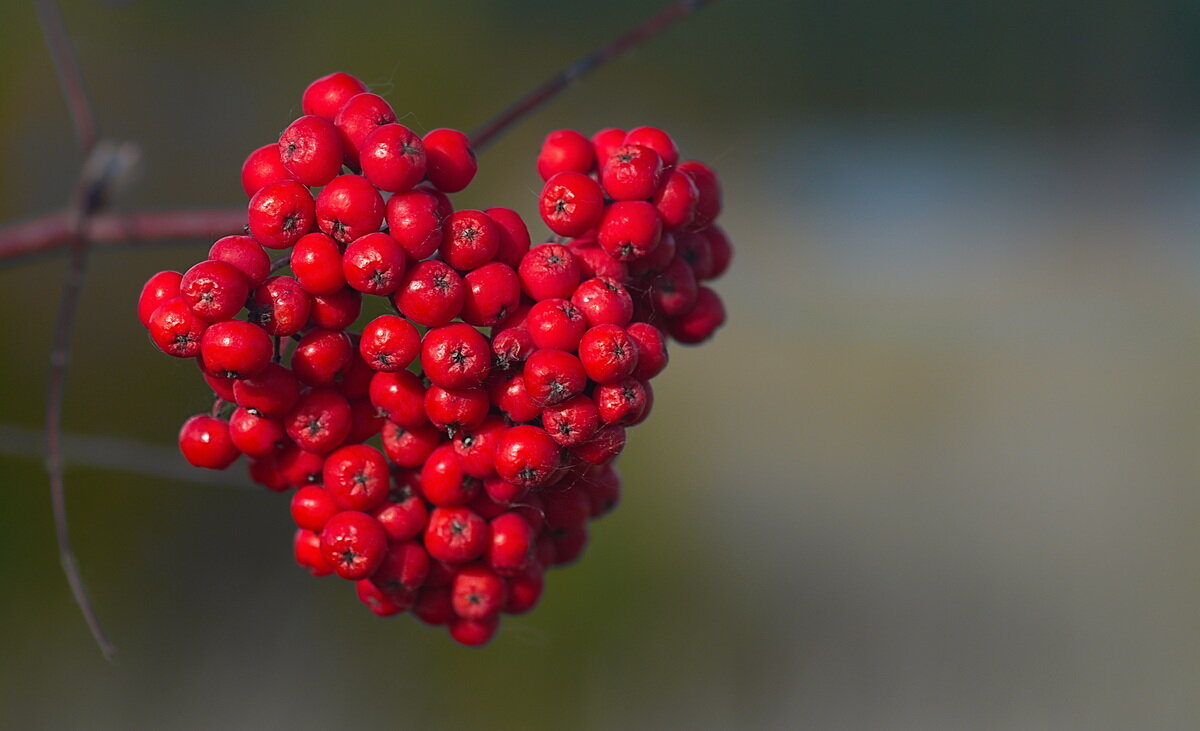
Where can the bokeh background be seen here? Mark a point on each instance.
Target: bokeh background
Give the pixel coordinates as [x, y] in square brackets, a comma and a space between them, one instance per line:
[938, 471]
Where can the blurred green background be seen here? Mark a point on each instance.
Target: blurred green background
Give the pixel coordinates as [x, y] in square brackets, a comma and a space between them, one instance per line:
[939, 470]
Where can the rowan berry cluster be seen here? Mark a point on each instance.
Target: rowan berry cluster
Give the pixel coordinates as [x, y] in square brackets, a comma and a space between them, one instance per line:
[499, 389]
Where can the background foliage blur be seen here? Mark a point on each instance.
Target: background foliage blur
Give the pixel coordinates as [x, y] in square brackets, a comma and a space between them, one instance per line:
[939, 471]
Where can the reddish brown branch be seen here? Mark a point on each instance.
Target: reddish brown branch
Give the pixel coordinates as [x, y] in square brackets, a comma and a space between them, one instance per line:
[494, 127]
[52, 232]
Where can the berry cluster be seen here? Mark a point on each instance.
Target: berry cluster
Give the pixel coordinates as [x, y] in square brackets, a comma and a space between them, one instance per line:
[500, 385]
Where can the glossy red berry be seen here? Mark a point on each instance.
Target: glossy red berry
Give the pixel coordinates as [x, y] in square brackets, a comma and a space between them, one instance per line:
[403, 514]
[652, 350]
[676, 200]
[319, 422]
[455, 356]
[255, 435]
[470, 239]
[474, 632]
[380, 601]
[511, 550]
[306, 546]
[357, 477]
[205, 442]
[443, 480]
[571, 422]
[673, 293]
[374, 264]
[478, 593]
[322, 356]
[349, 207]
[622, 402]
[695, 248]
[524, 591]
[608, 354]
[595, 262]
[404, 569]
[392, 158]
[433, 605]
[354, 543]
[514, 235]
[317, 264]
[325, 96]
[244, 253]
[492, 292]
[549, 271]
[450, 161]
[177, 330]
[603, 486]
[657, 260]
[456, 535]
[357, 119]
[527, 456]
[553, 376]
[235, 348]
[399, 396]
[263, 167]
[556, 323]
[280, 213]
[215, 290]
[409, 446]
[280, 306]
[603, 447]
[632, 173]
[708, 206]
[159, 288]
[629, 230]
[722, 251]
[510, 346]
[604, 301]
[476, 446]
[389, 343]
[571, 203]
[299, 467]
[704, 319]
[415, 220]
[606, 142]
[271, 392]
[657, 140]
[510, 395]
[312, 507]
[311, 150]
[565, 150]
[431, 294]
[335, 311]
[452, 409]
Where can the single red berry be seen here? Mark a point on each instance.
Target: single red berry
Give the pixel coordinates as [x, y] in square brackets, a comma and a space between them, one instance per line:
[272, 392]
[556, 323]
[374, 264]
[244, 253]
[254, 435]
[603, 486]
[222, 387]
[415, 221]
[365, 421]
[312, 507]
[606, 142]
[676, 200]
[504, 492]
[280, 306]
[322, 356]
[392, 158]
[469, 240]
[647, 406]
[452, 409]
[657, 260]
[565, 150]
[431, 294]
[695, 248]
[708, 207]
[355, 381]
[704, 319]
[399, 396]
[175, 329]
[443, 480]
[317, 264]
[510, 346]
[603, 447]
[455, 356]
[306, 546]
[335, 311]
[325, 96]
[553, 376]
[298, 467]
[604, 301]
[595, 261]
[405, 568]
[159, 288]
[721, 249]
[215, 290]
[349, 207]
[571, 422]
[476, 446]
[319, 421]
[571, 203]
[485, 507]
[622, 402]
[450, 161]
[512, 398]
[673, 293]
[525, 590]
[433, 605]
[280, 213]
[566, 509]
[511, 550]
[492, 292]
[263, 167]
[381, 602]
[652, 350]
[357, 478]
[235, 348]
[403, 514]
[527, 456]
[409, 446]
[516, 318]
[549, 271]
[389, 343]
[311, 150]
[569, 545]
[456, 535]
[205, 442]
[354, 543]
[657, 140]
[474, 632]
[357, 119]
[629, 230]
[478, 592]
[632, 173]
[514, 235]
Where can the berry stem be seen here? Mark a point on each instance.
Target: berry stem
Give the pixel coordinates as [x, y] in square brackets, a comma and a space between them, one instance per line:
[555, 85]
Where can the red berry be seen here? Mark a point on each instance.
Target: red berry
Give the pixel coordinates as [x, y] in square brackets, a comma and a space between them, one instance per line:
[404, 569]
[695, 249]
[262, 167]
[553, 376]
[604, 301]
[524, 591]
[235, 348]
[272, 392]
[320, 421]
[415, 221]
[514, 235]
[403, 514]
[431, 294]
[322, 356]
[317, 263]
[244, 253]
[603, 447]
[603, 486]
[380, 601]
[365, 420]
[569, 545]
[443, 480]
[335, 311]
[527, 456]
[476, 446]
[632, 173]
[566, 509]
[349, 207]
[470, 239]
[573, 421]
[502, 492]
[374, 264]
[456, 535]
[175, 329]
[622, 402]
[474, 632]
[722, 251]
[222, 387]
[355, 381]
[492, 292]
[450, 161]
[306, 546]
[608, 354]
[280, 306]
[704, 319]
[512, 398]
[565, 150]
[399, 396]
[433, 605]
[571, 203]
[549, 271]
[455, 356]
[409, 446]
[312, 507]
[354, 543]
[606, 142]
[280, 213]
[673, 293]
[556, 323]
[478, 592]
[656, 140]
[629, 230]
[595, 262]
[325, 96]
[298, 467]
[159, 288]
[392, 158]
[389, 343]
[311, 150]
[357, 119]
[254, 435]
[657, 260]
[676, 200]
[512, 345]
[215, 290]
[205, 442]
[357, 478]
[652, 350]
[511, 550]
[457, 408]
[708, 207]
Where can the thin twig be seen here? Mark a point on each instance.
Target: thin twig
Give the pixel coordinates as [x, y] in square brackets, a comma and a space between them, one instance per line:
[497, 125]
[70, 78]
[52, 232]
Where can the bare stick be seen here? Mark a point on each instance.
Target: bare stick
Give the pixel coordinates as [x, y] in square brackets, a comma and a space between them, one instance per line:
[70, 78]
[497, 125]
